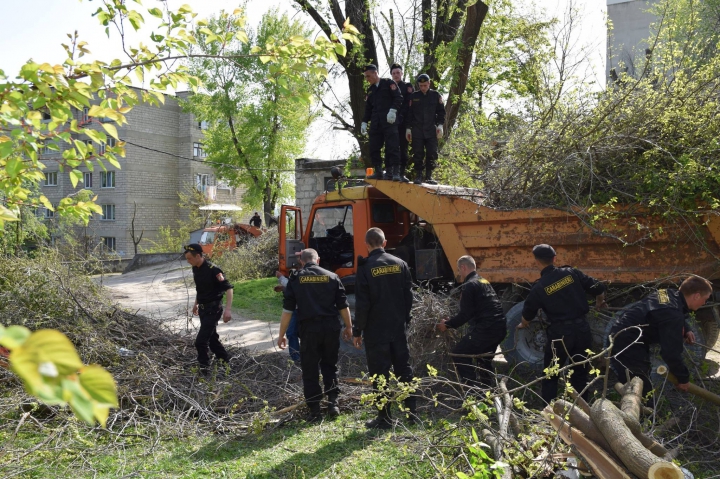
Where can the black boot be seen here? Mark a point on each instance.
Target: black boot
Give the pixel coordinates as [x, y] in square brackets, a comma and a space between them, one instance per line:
[395, 173]
[333, 410]
[388, 173]
[314, 415]
[382, 421]
[377, 174]
[418, 177]
[403, 178]
[411, 409]
[428, 177]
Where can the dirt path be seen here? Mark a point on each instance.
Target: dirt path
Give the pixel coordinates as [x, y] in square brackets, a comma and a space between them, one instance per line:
[167, 292]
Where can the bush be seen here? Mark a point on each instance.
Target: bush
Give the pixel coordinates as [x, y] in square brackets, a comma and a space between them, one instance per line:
[257, 258]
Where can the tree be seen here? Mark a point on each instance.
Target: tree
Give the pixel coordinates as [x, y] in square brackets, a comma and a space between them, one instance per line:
[445, 31]
[38, 109]
[256, 128]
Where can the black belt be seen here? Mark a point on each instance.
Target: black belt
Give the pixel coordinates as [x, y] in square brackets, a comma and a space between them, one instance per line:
[211, 304]
[568, 321]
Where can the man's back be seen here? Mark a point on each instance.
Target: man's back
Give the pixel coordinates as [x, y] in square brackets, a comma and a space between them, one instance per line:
[316, 292]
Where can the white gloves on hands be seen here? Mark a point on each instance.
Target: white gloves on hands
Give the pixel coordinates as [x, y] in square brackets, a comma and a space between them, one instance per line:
[363, 128]
[439, 131]
[408, 134]
[392, 114]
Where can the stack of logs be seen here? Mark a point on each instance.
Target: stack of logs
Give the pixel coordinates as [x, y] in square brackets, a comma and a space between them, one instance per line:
[610, 439]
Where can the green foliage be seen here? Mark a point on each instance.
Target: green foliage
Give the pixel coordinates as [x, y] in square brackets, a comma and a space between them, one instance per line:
[482, 465]
[256, 299]
[38, 109]
[51, 370]
[257, 114]
[256, 258]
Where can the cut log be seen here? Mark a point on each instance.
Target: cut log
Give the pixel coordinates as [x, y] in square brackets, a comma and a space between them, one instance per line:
[580, 401]
[631, 402]
[692, 388]
[665, 470]
[593, 455]
[626, 446]
[582, 421]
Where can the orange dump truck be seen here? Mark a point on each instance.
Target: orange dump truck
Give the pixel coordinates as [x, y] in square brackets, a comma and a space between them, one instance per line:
[219, 238]
[430, 227]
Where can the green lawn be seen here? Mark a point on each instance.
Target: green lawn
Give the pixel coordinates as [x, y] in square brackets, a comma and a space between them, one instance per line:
[337, 449]
[256, 299]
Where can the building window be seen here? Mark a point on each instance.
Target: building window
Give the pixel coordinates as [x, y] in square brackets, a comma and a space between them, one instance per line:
[203, 125]
[198, 150]
[108, 212]
[48, 213]
[108, 243]
[87, 179]
[51, 179]
[107, 179]
[201, 182]
[223, 185]
[104, 145]
[85, 115]
[111, 142]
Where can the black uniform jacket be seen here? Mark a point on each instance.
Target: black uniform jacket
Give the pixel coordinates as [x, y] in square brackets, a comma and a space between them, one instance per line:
[561, 293]
[479, 305]
[316, 292]
[425, 112]
[406, 89]
[664, 314]
[383, 297]
[210, 283]
[380, 99]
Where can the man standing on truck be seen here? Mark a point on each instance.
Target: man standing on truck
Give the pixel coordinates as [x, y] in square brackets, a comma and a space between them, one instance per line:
[382, 103]
[210, 285]
[480, 306]
[318, 295]
[426, 117]
[561, 293]
[406, 89]
[383, 300]
[662, 317]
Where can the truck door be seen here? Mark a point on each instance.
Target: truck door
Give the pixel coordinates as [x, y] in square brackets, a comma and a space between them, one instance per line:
[290, 225]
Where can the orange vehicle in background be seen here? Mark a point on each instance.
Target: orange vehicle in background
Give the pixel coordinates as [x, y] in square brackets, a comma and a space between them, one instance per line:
[220, 238]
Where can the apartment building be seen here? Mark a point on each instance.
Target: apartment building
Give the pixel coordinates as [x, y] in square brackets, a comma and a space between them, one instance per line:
[628, 39]
[164, 155]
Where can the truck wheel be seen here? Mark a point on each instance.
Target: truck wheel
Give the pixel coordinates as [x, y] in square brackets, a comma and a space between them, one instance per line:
[524, 348]
[709, 319]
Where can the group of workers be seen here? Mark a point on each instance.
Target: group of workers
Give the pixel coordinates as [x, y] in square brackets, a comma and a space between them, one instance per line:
[314, 297]
[398, 116]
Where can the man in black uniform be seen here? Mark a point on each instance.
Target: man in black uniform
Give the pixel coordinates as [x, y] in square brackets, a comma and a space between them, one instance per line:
[318, 295]
[382, 104]
[383, 300]
[210, 285]
[480, 306]
[406, 89]
[256, 221]
[561, 293]
[426, 117]
[663, 314]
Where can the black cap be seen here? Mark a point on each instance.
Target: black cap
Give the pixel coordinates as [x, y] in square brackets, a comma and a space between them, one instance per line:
[423, 77]
[194, 247]
[544, 251]
[371, 67]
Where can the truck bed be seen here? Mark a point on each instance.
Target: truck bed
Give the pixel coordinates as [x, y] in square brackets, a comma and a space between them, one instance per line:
[626, 249]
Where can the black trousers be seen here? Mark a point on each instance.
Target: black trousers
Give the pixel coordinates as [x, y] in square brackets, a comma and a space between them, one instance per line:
[208, 336]
[382, 356]
[633, 357]
[384, 135]
[576, 339]
[477, 342]
[319, 350]
[425, 152]
[403, 147]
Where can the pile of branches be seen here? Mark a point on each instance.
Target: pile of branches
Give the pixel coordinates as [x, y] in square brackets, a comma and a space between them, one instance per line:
[254, 259]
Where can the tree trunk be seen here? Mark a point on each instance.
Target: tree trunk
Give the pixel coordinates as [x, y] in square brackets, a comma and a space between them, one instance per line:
[582, 421]
[627, 447]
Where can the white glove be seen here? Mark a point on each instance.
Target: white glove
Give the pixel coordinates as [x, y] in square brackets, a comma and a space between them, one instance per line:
[439, 131]
[391, 115]
[363, 128]
[408, 134]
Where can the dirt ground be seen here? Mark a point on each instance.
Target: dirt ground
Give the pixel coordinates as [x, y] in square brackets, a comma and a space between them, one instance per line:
[167, 292]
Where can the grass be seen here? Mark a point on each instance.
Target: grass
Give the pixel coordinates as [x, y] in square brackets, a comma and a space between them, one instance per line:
[337, 449]
[255, 299]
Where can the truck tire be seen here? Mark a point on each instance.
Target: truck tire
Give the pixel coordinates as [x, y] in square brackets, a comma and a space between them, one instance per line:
[524, 348]
[708, 318]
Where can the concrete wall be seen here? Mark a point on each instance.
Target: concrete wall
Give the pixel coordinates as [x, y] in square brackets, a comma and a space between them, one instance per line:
[628, 40]
[140, 260]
